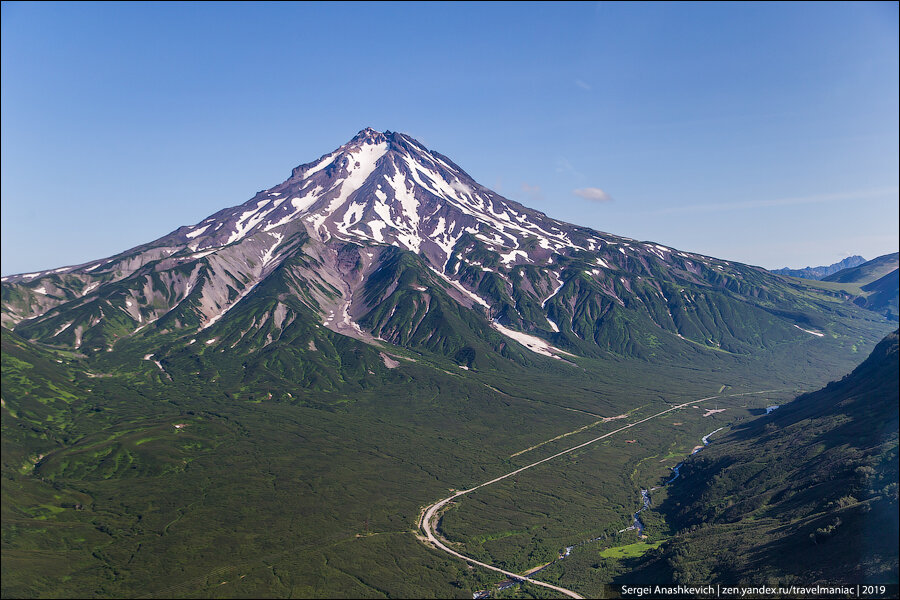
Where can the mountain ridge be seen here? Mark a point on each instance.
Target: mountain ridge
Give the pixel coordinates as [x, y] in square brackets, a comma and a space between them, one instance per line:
[875, 284]
[823, 271]
[868, 271]
[294, 397]
[808, 493]
[553, 287]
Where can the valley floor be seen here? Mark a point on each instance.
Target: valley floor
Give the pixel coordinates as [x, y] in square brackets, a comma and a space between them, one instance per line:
[272, 491]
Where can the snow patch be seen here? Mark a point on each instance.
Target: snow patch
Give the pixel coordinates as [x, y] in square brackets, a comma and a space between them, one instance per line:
[403, 192]
[267, 254]
[196, 232]
[553, 325]
[510, 257]
[361, 163]
[555, 292]
[535, 344]
[815, 333]
[352, 216]
[63, 328]
[320, 165]
[248, 220]
[376, 226]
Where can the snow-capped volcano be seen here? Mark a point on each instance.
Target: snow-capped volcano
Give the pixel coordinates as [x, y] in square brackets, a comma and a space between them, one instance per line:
[385, 240]
[386, 188]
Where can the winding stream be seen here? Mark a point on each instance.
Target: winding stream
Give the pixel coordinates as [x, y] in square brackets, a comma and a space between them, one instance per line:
[645, 494]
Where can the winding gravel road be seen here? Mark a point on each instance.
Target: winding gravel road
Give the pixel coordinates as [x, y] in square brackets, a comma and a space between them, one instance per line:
[428, 522]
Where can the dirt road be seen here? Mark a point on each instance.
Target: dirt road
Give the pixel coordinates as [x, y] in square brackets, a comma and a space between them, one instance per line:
[428, 522]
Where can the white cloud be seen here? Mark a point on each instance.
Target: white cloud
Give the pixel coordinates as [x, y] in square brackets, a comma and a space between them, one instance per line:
[583, 85]
[813, 199]
[593, 193]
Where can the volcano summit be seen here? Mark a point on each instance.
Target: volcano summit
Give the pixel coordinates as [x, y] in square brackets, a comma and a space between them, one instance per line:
[372, 239]
[295, 395]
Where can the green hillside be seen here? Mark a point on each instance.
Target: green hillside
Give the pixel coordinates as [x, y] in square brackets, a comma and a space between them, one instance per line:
[806, 495]
[297, 464]
[265, 403]
[882, 295]
[874, 285]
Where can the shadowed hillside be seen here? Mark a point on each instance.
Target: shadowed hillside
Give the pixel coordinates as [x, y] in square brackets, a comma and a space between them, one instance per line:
[806, 495]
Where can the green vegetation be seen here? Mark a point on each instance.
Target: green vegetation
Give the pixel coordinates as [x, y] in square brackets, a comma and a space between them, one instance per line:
[526, 521]
[629, 551]
[807, 494]
[277, 488]
[882, 296]
[267, 412]
[874, 285]
[269, 456]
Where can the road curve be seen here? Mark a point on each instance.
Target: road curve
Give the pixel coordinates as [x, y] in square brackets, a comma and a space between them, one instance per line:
[427, 524]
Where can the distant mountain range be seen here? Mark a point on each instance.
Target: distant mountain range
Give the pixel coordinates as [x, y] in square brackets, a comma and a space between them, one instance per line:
[867, 272]
[876, 284]
[823, 271]
[873, 285]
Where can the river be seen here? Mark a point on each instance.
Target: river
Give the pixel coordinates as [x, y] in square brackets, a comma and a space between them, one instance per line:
[637, 524]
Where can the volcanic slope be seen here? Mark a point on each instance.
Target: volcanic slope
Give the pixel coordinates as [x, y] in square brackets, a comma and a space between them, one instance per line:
[261, 403]
[384, 239]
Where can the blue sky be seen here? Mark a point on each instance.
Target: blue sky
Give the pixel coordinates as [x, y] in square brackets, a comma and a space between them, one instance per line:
[762, 133]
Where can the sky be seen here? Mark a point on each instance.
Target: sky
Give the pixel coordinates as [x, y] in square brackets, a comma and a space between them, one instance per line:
[760, 133]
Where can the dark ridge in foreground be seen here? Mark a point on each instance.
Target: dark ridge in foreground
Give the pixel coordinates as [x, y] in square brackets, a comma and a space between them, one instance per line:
[807, 495]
